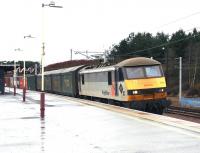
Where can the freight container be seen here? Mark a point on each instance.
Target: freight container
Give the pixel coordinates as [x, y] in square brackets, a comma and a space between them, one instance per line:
[38, 80]
[31, 82]
[47, 83]
[56, 83]
[69, 81]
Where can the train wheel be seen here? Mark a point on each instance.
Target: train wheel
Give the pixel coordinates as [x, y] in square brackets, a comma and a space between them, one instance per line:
[159, 109]
[152, 109]
[111, 102]
[126, 105]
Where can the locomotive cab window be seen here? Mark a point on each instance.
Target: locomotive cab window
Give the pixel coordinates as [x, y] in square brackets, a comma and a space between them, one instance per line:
[109, 78]
[153, 71]
[135, 72]
[143, 72]
[82, 79]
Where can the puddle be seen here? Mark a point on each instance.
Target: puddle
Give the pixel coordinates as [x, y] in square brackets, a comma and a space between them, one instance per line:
[42, 135]
[34, 117]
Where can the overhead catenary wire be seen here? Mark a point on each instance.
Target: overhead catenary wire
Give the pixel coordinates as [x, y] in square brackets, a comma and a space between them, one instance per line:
[177, 20]
[166, 24]
[158, 46]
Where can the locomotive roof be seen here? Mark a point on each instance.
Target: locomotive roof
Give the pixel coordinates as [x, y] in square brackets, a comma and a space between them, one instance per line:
[138, 61]
[101, 69]
[70, 69]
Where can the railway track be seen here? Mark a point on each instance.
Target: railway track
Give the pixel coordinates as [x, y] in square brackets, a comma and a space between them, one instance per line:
[183, 111]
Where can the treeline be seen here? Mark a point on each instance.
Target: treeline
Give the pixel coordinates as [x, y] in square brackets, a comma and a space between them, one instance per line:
[166, 49]
[147, 45]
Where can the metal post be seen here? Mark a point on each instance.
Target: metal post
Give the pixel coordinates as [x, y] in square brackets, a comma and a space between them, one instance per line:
[15, 73]
[36, 69]
[24, 73]
[42, 96]
[14, 78]
[24, 86]
[42, 105]
[71, 54]
[105, 56]
[180, 78]
[167, 70]
[42, 62]
[87, 53]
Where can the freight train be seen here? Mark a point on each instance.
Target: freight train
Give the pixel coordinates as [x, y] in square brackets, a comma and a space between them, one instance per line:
[137, 83]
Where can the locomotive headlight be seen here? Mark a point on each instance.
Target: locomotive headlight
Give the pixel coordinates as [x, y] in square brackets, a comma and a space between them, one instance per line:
[135, 92]
[161, 90]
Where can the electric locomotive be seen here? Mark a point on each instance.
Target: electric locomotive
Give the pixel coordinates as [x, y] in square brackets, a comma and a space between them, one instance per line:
[137, 83]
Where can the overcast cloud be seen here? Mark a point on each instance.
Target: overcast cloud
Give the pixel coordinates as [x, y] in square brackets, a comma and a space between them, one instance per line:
[92, 25]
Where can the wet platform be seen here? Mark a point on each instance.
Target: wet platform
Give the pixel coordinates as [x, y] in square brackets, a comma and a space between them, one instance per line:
[79, 126]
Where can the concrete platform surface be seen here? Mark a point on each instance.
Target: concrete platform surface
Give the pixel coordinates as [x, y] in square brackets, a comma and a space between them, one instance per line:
[73, 127]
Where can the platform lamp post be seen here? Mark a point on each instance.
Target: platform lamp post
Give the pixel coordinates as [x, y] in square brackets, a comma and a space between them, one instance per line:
[14, 78]
[15, 73]
[24, 80]
[180, 79]
[42, 95]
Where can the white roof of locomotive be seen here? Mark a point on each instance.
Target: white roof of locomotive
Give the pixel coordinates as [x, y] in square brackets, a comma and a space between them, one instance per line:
[95, 70]
[137, 61]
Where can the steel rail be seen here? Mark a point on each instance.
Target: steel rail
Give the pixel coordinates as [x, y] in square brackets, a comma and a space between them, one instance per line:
[191, 112]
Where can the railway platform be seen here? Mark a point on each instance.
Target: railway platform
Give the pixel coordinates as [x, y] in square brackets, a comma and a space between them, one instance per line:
[80, 126]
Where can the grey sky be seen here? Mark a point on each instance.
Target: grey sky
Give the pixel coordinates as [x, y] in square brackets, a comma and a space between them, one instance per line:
[91, 25]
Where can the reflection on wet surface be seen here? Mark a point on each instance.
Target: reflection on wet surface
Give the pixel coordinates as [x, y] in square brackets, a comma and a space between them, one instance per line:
[42, 134]
[34, 117]
[69, 128]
